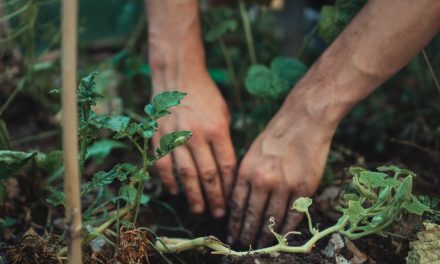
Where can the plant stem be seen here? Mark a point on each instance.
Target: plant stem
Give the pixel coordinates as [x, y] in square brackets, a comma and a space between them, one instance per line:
[145, 164]
[309, 221]
[232, 76]
[247, 32]
[431, 70]
[177, 245]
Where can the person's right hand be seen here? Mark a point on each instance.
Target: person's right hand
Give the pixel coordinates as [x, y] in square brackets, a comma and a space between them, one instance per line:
[206, 164]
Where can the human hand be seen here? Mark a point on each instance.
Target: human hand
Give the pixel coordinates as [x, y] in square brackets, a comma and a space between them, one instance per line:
[208, 160]
[286, 161]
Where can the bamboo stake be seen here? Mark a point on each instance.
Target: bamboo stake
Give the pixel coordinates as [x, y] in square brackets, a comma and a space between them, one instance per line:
[69, 123]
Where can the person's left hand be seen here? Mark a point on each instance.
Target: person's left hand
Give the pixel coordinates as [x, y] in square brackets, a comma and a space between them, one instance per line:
[286, 161]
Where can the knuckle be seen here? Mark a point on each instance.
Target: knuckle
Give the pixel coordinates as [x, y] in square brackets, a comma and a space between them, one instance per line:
[262, 180]
[186, 172]
[208, 175]
[228, 168]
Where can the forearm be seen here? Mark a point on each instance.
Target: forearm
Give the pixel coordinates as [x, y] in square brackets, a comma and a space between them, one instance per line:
[379, 41]
[175, 46]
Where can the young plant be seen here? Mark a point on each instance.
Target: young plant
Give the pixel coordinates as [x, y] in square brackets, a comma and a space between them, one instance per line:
[374, 201]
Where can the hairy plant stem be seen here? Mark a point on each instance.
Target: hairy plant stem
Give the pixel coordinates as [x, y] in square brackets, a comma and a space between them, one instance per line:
[247, 32]
[176, 245]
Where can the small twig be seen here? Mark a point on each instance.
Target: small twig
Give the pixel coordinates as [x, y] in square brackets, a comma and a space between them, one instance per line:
[247, 31]
[431, 70]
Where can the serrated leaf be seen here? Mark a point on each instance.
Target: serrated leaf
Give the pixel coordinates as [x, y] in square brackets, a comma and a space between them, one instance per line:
[162, 102]
[13, 161]
[171, 141]
[302, 204]
[102, 148]
[415, 206]
[355, 212]
[55, 197]
[426, 249]
[102, 178]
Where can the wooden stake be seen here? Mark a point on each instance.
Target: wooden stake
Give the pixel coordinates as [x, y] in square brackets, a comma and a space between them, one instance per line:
[69, 123]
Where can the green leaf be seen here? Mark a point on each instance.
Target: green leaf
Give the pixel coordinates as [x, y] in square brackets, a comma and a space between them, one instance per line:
[86, 93]
[13, 161]
[102, 178]
[162, 102]
[116, 123]
[128, 193]
[350, 197]
[171, 141]
[51, 162]
[102, 148]
[355, 212]
[225, 26]
[403, 192]
[275, 82]
[259, 81]
[302, 204]
[55, 197]
[335, 18]
[377, 179]
[416, 207]
[289, 69]
[141, 176]
[7, 222]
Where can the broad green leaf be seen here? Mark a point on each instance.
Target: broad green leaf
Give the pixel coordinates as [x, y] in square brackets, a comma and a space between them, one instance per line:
[302, 204]
[128, 193]
[356, 171]
[288, 69]
[355, 212]
[377, 179]
[385, 168]
[364, 190]
[171, 141]
[102, 148]
[403, 192]
[51, 162]
[116, 123]
[55, 197]
[162, 102]
[259, 81]
[12, 161]
[275, 82]
[415, 206]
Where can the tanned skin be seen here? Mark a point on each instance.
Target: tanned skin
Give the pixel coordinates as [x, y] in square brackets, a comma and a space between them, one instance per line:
[287, 159]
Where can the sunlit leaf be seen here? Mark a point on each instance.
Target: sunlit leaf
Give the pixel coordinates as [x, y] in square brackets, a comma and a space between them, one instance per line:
[302, 204]
[171, 141]
[162, 102]
[415, 206]
[355, 212]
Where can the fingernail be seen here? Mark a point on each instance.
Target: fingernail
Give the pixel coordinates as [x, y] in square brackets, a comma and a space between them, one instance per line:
[219, 212]
[197, 208]
[230, 240]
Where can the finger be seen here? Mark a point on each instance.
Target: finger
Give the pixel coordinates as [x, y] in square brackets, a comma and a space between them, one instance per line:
[209, 177]
[276, 208]
[293, 218]
[164, 167]
[239, 197]
[226, 160]
[254, 215]
[187, 172]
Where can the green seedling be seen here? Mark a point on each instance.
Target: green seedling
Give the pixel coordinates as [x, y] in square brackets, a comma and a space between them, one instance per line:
[374, 201]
